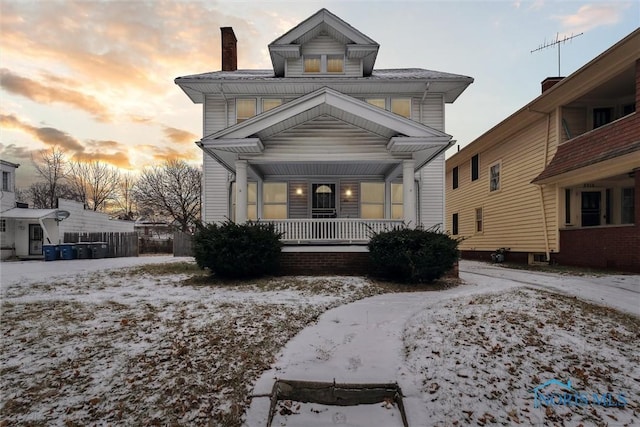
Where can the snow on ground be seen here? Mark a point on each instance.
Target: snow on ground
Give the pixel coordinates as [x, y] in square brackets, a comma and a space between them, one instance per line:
[91, 342]
[441, 349]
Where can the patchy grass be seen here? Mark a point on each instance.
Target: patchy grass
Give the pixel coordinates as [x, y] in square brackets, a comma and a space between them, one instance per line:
[160, 344]
[478, 359]
[560, 269]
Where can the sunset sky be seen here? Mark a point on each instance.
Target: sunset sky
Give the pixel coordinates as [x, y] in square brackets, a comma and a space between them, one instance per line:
[96, 77]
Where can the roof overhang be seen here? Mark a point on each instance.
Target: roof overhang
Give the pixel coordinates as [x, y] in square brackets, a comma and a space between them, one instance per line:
[404, 138]
[35, 214]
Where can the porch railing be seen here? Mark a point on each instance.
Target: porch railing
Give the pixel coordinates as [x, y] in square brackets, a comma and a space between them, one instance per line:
[334, 230]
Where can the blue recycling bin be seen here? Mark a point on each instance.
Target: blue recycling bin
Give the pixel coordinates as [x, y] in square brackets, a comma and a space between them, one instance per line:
[51, 252]
[67, 251]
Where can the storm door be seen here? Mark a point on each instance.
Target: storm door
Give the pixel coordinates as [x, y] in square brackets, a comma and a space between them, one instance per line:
[35, 239]
[323, 200]
[591, 208]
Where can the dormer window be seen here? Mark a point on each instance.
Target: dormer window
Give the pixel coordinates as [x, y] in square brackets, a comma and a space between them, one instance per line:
[324, 64]
[335, 64]
[312, 64]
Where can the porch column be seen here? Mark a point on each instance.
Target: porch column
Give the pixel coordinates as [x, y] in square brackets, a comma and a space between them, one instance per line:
[241, 191]
[408, 192]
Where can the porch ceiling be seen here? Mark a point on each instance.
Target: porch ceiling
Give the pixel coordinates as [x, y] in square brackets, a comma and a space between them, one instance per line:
[312, 169]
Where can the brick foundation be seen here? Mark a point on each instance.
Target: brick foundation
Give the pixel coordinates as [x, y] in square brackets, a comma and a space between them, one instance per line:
[332, 263]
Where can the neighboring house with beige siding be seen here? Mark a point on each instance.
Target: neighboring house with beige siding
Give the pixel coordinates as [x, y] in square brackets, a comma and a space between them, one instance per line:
[558, 180]
[323, 145]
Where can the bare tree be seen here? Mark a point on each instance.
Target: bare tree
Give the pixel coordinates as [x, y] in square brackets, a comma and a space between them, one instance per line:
[124, 202]
[38, 195]
[171, 190]
[94, 182]
[51, 167]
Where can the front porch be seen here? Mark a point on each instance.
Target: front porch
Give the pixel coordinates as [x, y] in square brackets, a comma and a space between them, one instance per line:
[331, 231]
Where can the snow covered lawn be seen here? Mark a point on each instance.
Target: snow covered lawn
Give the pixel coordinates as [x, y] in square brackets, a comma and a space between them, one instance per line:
[150, 345]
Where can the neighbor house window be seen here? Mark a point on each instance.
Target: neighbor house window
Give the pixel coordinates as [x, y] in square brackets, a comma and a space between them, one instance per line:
[335, 63]
[628, 201]
[479, 220]
[601, 116]
[252, 201]
[454, 224]
[3, 225]
[245, 109]
[401, 106]
[5, 181]
[455, 177]
[312, 64]
[494, 177]
[378, 102]
[372, 200]
[475, 166]
[274, 200]
[567, 206]
[270, 104]
[397, 207]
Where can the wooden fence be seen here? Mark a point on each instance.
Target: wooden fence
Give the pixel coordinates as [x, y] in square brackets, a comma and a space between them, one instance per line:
[120, 244]
[182, 244]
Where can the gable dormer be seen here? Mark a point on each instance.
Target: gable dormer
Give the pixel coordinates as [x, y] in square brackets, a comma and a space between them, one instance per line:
[323, 45]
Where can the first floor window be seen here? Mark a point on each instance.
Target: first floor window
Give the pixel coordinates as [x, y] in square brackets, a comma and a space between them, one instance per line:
[628, 205]
[3, 225]
[454, 224]
[494, 177]
[397, 206]
[479, 220]
[372, 200]
[567, 206]
[252, 201]
[274, 197]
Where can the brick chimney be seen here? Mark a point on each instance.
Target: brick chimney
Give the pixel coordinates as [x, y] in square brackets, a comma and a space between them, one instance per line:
[549, 82]
[229, 49]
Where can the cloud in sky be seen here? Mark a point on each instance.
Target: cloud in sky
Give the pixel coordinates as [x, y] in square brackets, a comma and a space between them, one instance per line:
[48, 135]
[50, 94]
[591, 16]
[179, 136]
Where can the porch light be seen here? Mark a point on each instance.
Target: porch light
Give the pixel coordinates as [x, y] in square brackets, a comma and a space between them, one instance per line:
[299, 191]
[347, 193]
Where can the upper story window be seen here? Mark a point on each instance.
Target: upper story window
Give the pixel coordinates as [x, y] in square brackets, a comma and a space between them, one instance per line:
[312, 63]
[335, 64]
[378, 102]
[455, 177]
[454, 224]
[401, 106]
[5, 181]
[494, 177]
[602, 116]
[270, 104]
[475, 167]
[245, 109]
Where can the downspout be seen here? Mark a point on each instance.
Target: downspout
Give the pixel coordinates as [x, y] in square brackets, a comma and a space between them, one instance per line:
[226, 107]
[424, 95]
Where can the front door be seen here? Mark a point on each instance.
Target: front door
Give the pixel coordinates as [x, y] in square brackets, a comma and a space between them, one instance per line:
[35, 239]
[323, 200]
[591, 208]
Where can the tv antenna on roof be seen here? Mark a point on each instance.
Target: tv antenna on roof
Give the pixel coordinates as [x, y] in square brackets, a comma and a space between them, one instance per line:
[557, 42]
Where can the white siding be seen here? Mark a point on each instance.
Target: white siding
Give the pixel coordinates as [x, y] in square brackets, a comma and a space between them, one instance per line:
[214, 111]
[216, 191]
[431, 182]
[433, 112]
[81, 220]
[323, 45]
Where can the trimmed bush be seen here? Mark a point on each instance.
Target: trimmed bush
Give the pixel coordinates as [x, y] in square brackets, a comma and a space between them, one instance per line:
[237, 251]
[412, 255]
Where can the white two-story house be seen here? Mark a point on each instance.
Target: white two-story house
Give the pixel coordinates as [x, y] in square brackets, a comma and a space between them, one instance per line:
[323, 145]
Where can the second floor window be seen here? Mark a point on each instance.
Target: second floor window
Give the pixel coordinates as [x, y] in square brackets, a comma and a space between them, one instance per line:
[601, 116]
[245, 109]
[270, 104]
[5, 181]
[454, 224]
[378, 102]
[494, 177]
[401, 106]
[455, 177]
[475, 166]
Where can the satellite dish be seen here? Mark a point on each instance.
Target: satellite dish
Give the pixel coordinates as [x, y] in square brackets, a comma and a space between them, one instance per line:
[60, 215]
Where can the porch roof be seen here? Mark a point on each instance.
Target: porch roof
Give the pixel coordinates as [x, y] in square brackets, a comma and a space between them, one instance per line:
[402, 138]
[22, 213]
